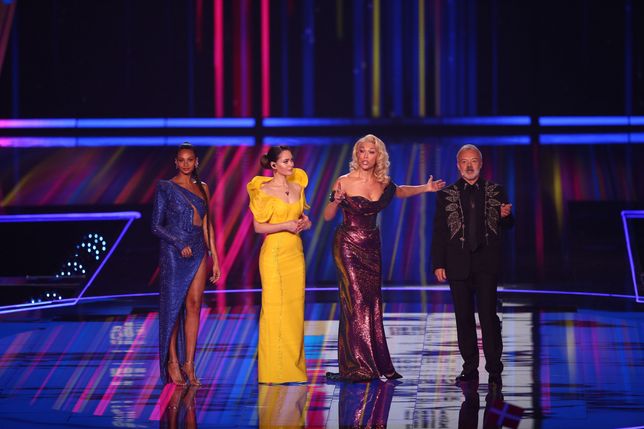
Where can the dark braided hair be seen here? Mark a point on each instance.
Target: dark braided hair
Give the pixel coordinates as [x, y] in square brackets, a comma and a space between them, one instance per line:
[195, 176]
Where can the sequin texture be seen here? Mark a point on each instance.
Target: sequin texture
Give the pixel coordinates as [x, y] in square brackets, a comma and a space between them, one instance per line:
[362, 347]
[172, 222]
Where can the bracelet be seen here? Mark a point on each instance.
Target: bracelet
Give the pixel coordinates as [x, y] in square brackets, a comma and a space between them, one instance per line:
[332, 197]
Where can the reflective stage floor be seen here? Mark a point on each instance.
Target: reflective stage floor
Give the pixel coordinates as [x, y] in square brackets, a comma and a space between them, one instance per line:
[95, 365]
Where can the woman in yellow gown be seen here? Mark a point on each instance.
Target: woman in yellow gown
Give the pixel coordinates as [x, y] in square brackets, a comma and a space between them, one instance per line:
[277, 204]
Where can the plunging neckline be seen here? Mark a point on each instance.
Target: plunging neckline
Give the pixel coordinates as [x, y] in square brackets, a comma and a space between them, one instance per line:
[188, 190]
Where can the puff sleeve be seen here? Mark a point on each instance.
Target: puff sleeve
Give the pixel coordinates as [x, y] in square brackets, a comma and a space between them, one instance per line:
[261, 205]
[299, 176]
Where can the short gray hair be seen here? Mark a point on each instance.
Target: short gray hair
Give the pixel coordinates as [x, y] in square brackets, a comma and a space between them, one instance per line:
[469, 147]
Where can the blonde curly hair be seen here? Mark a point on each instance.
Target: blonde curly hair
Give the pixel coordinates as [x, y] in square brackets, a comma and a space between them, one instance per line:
[381, 169]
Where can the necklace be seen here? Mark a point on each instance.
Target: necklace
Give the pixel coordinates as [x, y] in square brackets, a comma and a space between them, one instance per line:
[286, 191]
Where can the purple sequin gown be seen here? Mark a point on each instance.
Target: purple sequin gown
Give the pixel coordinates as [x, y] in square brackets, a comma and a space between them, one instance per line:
[172, 222]
[362, 347]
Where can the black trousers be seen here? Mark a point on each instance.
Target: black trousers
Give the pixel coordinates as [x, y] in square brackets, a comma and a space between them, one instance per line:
[478, 289]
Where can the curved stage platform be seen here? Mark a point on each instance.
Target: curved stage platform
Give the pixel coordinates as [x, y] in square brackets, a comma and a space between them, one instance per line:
[95, 365]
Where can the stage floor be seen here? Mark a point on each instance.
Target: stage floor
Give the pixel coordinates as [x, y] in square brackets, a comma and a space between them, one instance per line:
[95, 365]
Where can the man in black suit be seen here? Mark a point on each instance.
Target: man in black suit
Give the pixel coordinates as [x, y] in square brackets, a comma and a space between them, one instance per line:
[466, 251]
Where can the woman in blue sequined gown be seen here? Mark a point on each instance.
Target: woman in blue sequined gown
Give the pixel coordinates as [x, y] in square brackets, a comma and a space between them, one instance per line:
[180, 219]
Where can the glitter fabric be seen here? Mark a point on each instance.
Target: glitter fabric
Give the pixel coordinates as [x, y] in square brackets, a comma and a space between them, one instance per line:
[365, 405]
[362, 347]
[172, 221]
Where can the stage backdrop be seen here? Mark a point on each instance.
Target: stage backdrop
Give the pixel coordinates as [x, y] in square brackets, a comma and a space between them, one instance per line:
[566, 200]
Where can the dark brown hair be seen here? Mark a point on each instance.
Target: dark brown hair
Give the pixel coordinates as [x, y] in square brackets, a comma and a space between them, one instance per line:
[272, 155]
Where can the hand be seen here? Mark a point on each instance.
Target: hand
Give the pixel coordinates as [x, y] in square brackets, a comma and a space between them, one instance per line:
[340, 195]
[304, 223]
[216, 273]
[186, 252]
[506, 209]
[440, 274]
[434, 186]
[292, 226]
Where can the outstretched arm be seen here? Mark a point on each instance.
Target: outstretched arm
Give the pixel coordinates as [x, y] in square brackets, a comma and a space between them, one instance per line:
[406, 191]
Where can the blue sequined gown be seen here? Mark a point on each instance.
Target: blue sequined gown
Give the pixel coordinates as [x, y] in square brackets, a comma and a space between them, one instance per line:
[172, 222]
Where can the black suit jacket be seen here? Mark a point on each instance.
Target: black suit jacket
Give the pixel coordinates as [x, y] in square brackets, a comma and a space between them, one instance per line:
[450, 247]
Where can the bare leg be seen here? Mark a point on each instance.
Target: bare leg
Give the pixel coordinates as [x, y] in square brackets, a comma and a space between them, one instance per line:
[194, 299]
[174, 370]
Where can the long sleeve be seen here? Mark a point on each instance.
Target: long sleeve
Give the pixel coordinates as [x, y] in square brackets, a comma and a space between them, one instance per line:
[439, 234]
[506, 222]
[158, 216]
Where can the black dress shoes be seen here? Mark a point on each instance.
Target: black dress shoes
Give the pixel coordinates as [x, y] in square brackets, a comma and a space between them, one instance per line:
[467, 376]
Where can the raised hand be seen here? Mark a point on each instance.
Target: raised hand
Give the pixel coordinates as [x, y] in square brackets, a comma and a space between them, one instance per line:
[434, 186]
[340, 195]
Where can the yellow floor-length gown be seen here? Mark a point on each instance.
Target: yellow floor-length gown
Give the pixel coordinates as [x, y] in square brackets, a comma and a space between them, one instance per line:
[281, 267]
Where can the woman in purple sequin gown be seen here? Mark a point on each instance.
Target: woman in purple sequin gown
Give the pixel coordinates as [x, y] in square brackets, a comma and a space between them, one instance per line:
[367, 189]
[180, 219]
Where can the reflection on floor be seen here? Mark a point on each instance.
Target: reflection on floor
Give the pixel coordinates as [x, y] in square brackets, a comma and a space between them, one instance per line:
[95, 365]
